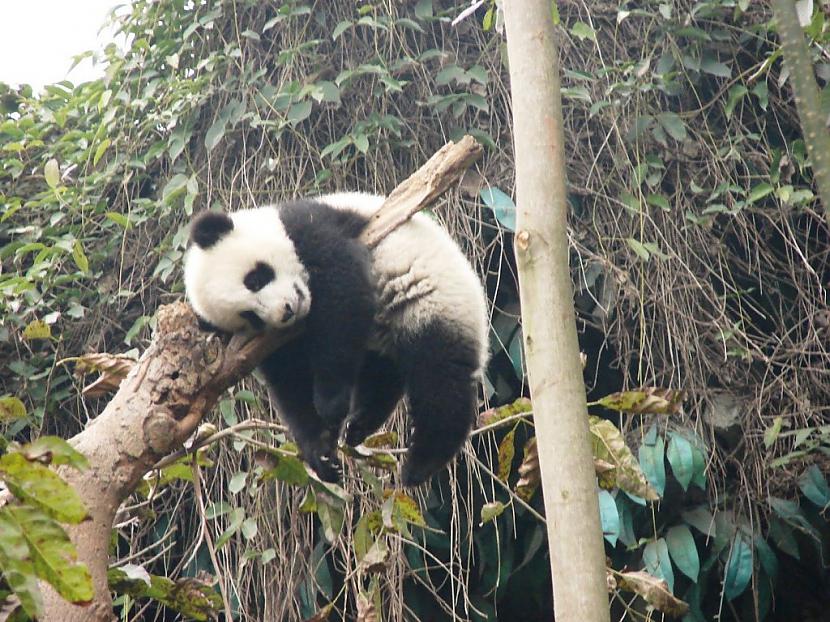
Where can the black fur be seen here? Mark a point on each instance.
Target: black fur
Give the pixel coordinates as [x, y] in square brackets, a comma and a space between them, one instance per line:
[313, 379]
[435, 368]
[327, 376]
[259, 277]
[209, 227]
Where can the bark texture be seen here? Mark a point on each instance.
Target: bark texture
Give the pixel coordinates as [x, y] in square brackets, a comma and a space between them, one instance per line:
[577, 554]
[807, 100]
[179, 379]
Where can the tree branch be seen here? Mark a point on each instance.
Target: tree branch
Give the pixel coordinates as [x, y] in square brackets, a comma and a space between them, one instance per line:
[179, 378]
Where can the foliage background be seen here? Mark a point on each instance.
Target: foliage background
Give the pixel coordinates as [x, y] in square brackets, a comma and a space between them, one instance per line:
[699, 258]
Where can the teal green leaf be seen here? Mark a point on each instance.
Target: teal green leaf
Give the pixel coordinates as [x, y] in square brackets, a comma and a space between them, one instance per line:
[683, 551]
[814, 486]
[299, 112]
[738, 567]
[502, 205]
[681, 459]
[767, 557]
[736, 94]
[673, 125]
[657, 562]
[609, 517]
[651, 462]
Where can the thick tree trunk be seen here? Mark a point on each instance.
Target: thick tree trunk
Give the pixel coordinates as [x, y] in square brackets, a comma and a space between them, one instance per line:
[179, 379]
[808, 102]
[577, 554]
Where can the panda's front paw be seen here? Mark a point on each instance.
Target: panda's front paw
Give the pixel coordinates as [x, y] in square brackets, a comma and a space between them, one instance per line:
[327, 468]
[356, 430]
[321, 455]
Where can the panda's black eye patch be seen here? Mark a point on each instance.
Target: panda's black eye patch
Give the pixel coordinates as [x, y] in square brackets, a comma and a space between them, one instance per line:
[259, 277]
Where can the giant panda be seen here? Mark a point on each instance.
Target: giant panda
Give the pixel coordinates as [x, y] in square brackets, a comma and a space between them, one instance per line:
[408, 317]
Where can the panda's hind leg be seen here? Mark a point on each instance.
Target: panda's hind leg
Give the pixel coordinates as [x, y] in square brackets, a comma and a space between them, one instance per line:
[379, 389]
[290, 380]
[439, 365]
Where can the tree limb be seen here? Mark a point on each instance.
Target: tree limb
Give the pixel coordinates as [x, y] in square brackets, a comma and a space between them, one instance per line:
[178, 379]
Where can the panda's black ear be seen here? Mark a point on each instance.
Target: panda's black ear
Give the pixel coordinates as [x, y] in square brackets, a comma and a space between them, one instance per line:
[209, 227]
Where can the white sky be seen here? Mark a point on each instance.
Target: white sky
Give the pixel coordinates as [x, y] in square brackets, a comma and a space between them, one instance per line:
[38, 39]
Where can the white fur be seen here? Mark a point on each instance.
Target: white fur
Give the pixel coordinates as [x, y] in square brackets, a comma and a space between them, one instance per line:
[422, 275]
[214, 277]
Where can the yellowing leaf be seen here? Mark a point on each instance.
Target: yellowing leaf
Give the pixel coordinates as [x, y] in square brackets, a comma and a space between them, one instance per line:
[53, 554]
[609, 446]
[52, 173]
[11, 409]
[490, 511]
[79, 256]
[507, 450]
[37, 329]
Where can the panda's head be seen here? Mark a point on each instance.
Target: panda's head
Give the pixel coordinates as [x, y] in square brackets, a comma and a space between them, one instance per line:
[242, 271]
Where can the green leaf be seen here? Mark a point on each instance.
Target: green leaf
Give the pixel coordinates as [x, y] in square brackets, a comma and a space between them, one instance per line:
[487, 21]
[681, 459]
[79, 256]
[502, 205]
[340, 29]
[583, 31]
[290, 470]
[673, 125]
[11, 409]
[176, 185]
[710, 65]
[759, 192]
[118, 219]
[651, 461]
[738, 567]
[736, 94]
[237, 516]
[701, 519]
[35, 483]
[52, 553]
[814, 486]
[639, 248]
[657, 562]
[99, 152]
[609, 517]
[215, 133]
[16, 565]
[489, 511]
[658, 201]
[361, 141]
[237, 482]
[299, 112]
[683, 551]
[772, 432]
[767, 557]
[51, 171]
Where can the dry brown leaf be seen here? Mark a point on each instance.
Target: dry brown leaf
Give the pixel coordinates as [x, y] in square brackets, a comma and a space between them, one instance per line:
[653, 590]
[112, 367]
[530, 475]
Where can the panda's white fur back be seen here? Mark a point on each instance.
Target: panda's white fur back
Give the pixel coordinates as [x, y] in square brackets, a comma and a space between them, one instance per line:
[422, 275]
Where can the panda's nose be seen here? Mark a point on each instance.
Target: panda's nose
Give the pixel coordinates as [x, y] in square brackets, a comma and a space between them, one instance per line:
[288, 313]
